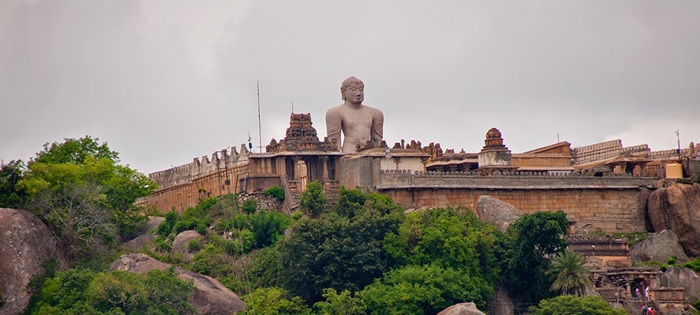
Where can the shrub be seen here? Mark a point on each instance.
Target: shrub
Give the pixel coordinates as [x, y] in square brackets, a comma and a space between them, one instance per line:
[162, 246]
[313, 201]
[250, 206]
[268, 227]
[275, 191]
[194, 245]
[191, 224]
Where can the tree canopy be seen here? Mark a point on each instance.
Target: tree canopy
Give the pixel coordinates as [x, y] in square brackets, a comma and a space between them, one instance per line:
[78, 188]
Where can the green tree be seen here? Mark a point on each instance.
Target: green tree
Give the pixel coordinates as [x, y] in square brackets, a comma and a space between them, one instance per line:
[313, 201]
[349, 201]
[119, 292]
[85, 197]
[532, 241]
[572, 276]
[340, 304]
[11, 196]
[453, 238]
[273, 301]
[268, 227]
[572, 305]
[423, 290]
[335, 252]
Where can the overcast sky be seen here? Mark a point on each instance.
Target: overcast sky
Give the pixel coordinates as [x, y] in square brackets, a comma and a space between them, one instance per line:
[163, 82]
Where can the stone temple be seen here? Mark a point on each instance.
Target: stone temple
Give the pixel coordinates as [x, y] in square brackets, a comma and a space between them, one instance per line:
[601, 186]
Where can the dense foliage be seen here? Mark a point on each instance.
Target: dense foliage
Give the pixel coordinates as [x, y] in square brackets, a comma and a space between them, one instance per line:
[571, 305]
[363, 255]
[532, 241]
[11, 196]
[313, 201]
[118, 292]
[78, 188]
[335, 252]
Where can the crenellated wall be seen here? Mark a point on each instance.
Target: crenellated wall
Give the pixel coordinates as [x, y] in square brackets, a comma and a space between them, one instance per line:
[609, 203]
[597, 152]
[182, 186]
[200, 167]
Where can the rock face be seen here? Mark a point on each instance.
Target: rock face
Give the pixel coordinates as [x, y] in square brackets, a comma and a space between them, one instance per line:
[677, 208]
[683, 277]
[142, 240]
[153, 223]
[468, 308]
[181, 244]
[500, 213]
[210, 296]
[659, 247]
[25, 242]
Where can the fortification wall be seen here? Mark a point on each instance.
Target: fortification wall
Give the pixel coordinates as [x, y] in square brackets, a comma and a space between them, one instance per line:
[182, 186]
[597, 152]
[200, 167]
[608, 204]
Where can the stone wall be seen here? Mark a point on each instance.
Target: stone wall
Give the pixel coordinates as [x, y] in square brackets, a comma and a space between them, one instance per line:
[182, 186]
[596, 152]
[200, 167]
[608, 204]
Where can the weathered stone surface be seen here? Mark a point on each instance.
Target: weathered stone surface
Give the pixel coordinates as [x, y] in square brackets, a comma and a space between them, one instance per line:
[142, 240]
[468, 308]
[210, 297]
[25, 242]
[685, 278]
[153, 223]
[497, 212]
[182, 241]
[677, 208]
[659, 247]
[501, 303]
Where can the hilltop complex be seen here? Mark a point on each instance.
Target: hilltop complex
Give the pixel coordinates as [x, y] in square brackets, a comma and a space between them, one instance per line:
[602, 186]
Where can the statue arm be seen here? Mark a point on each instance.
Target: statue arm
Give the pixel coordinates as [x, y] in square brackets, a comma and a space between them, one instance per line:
[377, 127]
[333, 127]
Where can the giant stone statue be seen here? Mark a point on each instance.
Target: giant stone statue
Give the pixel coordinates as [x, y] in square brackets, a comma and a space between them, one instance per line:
[362, 126]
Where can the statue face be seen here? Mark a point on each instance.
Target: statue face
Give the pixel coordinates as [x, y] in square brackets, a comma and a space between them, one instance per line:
[355, 93]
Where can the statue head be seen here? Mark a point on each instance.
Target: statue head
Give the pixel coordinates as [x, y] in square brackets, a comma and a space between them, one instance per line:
[348, 83]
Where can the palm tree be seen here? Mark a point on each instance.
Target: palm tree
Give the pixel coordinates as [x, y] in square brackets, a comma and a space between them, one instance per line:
[572, 276]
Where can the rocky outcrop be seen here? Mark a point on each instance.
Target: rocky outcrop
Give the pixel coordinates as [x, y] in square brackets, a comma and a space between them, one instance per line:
[25, 242]
[495, 211]
[468, 308]
[501, 303]
[677, 208]
[659, 247]
[146, 240]
[684, 278]
[210, 296]
[181, 244]
[153, 223]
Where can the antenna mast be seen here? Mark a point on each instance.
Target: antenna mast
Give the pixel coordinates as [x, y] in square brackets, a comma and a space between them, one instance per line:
[259, 128]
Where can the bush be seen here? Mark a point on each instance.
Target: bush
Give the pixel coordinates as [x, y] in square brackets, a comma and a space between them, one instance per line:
[194, 245]
[268, 227]
[296, 215]
[313, 201]
[250, 206]
[191, 224]
[275, 191]
[166, 227]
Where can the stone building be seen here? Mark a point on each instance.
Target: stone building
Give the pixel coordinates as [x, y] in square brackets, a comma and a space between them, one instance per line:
[603, 185]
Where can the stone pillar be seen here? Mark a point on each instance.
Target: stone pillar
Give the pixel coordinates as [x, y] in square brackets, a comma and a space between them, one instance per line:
[324, 160]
